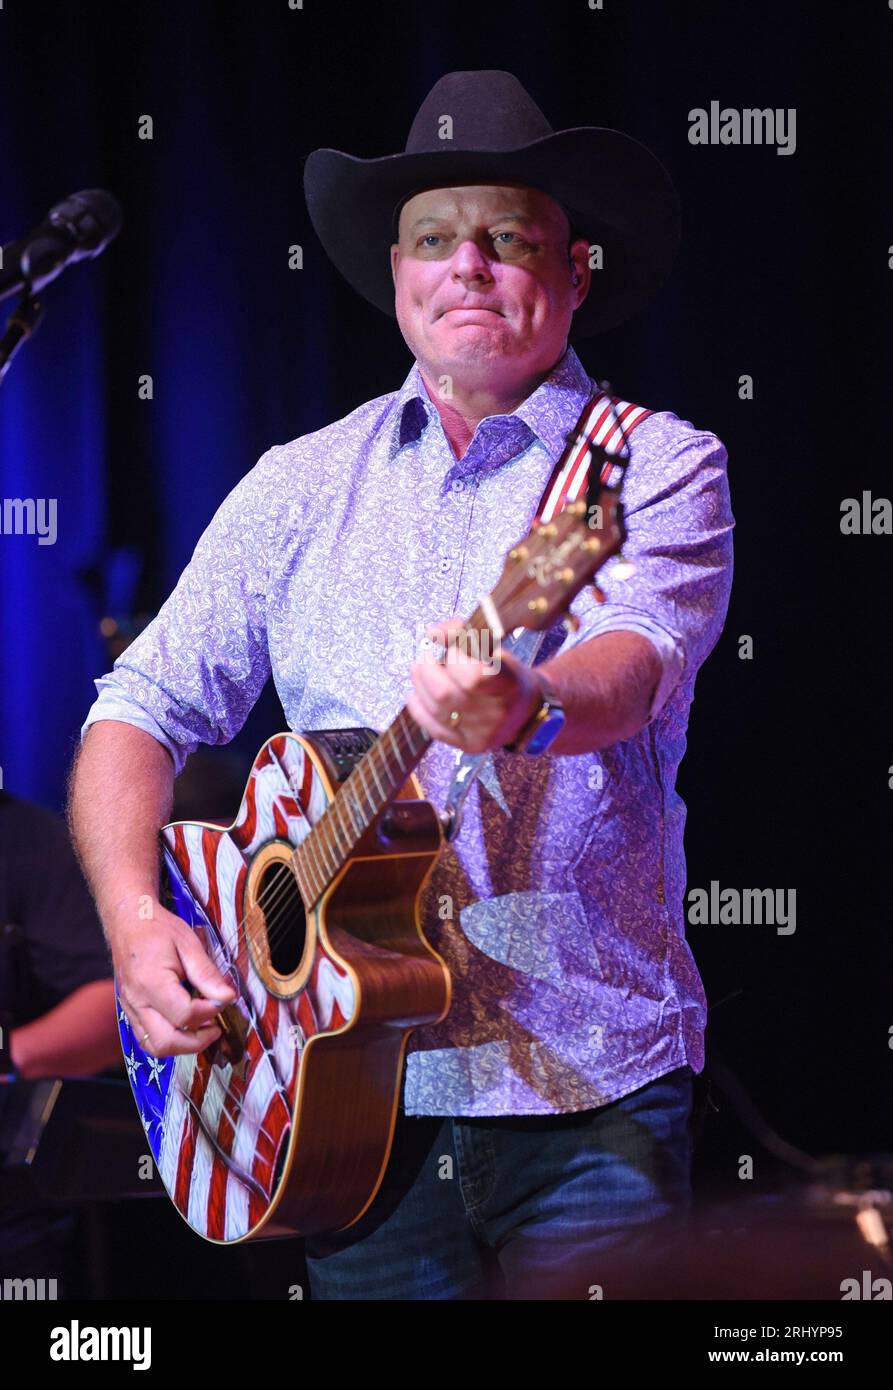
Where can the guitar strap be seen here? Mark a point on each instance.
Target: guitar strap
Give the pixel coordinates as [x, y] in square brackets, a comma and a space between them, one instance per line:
[605, 423]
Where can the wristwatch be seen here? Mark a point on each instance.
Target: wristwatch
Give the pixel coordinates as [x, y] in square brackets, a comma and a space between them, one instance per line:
[543, 726]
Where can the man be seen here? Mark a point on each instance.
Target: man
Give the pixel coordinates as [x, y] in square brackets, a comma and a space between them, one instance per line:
[545, 1119]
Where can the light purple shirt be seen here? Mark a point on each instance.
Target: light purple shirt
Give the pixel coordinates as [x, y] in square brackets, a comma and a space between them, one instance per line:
[559, 907]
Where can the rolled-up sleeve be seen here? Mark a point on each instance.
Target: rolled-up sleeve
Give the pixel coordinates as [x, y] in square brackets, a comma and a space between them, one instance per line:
[193, 675]
[679, 543]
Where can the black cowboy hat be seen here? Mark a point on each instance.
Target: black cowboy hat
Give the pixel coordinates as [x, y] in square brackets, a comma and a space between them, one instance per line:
[616, 192]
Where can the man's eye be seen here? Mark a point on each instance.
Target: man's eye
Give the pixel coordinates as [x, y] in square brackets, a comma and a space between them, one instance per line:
[432, 236]
[512, 243]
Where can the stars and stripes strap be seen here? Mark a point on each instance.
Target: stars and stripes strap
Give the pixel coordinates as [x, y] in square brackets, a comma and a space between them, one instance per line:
[606, 421]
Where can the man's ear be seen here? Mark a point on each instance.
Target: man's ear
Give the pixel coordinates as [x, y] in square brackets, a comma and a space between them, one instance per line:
[395, 259]
[581, 271]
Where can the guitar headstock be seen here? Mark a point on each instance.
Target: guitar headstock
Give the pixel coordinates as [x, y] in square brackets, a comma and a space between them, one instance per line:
[544, 572]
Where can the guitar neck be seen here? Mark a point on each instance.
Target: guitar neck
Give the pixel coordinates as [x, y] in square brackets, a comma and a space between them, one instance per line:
[360, 800]
[365, 794]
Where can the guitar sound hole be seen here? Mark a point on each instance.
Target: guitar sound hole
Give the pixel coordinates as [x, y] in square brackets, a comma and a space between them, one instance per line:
[286, 921]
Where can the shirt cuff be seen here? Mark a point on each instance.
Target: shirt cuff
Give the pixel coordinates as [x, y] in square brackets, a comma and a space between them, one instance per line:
[113, 703]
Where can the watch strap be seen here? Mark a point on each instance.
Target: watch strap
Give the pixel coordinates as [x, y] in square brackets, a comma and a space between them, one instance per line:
[547, 705]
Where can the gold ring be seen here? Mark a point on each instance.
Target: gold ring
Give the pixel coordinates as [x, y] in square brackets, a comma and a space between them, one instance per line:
[143, 1038]
[455, 716]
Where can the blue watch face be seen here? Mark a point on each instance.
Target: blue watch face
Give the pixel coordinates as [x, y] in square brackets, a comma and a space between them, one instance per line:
[549, 729]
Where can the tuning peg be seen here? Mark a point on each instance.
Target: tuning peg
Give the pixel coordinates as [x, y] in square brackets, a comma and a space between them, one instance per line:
[624, 569]
[571, 622]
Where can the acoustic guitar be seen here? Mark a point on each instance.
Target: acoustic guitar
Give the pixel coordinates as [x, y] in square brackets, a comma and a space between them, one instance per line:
[308, 905]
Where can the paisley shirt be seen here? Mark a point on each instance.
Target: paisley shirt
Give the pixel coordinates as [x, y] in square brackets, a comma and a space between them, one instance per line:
[559, 907]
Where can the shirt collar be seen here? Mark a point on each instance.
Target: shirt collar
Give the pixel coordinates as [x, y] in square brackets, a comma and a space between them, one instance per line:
[551, 411]
[413, 408]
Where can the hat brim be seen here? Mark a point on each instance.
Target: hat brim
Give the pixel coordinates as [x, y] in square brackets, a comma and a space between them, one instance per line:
[618, 193]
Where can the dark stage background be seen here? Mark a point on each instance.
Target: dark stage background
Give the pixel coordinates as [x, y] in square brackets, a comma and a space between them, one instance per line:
[783, 275]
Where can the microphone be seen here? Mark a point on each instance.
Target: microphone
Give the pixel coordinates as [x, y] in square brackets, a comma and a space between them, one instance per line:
[77, 228]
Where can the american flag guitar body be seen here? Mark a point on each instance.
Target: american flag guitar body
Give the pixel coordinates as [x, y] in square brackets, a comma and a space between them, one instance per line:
[222, 1124]
[308, 904]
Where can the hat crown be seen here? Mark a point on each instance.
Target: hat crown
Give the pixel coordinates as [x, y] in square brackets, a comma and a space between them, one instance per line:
[482, 126]
[487, 110]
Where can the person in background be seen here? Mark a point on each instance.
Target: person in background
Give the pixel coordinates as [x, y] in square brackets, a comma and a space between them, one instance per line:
[57, 1005]
[57, 993]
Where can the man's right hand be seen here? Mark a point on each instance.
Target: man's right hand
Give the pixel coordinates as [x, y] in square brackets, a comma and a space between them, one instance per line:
[153, 952]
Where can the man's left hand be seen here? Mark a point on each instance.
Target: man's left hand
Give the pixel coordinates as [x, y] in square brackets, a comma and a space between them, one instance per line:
[493, 700]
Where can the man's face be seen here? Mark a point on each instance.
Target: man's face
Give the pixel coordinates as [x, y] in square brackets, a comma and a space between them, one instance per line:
[484, 288]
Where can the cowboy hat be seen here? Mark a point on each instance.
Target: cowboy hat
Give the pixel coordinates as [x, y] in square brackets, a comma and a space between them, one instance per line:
[616, 193]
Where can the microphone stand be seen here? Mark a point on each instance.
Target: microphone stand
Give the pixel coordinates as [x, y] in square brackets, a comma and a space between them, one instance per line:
[22, 322]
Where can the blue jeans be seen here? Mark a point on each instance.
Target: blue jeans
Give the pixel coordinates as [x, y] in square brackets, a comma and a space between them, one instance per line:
[518, 1206]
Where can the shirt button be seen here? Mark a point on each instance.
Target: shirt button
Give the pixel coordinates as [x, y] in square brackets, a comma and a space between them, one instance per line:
[446, 564]
[457, 486]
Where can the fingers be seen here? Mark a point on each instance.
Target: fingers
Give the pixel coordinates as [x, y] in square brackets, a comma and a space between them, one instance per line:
[492, 702]
[201, 972]
[470, 733]
[437, 687]
[467, 686]
[151, 968]
[435, 694]
[456, 683]
[158, 995]
[454, 643]
[156, 1036]
[460, 645]
[162, 991]
[443, 630]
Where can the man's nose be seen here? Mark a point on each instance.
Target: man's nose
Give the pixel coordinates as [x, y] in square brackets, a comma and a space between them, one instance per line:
[470, 262]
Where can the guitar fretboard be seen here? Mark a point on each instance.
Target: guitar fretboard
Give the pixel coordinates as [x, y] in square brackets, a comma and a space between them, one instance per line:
[360, 800]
